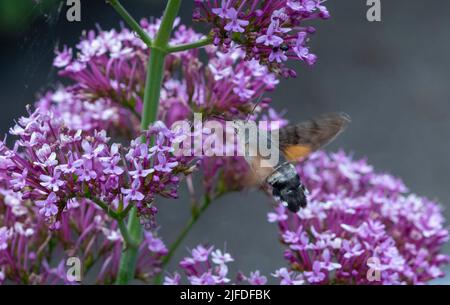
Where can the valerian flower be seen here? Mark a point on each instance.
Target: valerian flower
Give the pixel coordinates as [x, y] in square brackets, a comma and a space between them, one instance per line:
[226, 86]
[52, 164]
[359, 222]
[288, 277]
[89, 234]
[206, 266]
[63, 171]
[270, 32]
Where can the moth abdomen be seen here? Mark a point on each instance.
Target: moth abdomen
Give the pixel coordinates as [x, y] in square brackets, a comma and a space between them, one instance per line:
[295, 198]
[287, 187]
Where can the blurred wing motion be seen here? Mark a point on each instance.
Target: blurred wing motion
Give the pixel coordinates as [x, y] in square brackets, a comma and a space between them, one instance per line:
[298, 141]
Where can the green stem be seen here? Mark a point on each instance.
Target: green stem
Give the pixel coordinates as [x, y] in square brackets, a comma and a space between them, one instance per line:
[129, 241]
[108, 210]
[195, 216]
[155, 72]
[183, 47]
[127, 265]
[187, 228]
[132, 23]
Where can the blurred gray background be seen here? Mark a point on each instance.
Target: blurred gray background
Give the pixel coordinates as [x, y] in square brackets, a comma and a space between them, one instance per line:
[392, 77]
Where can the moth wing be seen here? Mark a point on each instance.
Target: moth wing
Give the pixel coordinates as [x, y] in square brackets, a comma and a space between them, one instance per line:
[298, 141]
[261, 167]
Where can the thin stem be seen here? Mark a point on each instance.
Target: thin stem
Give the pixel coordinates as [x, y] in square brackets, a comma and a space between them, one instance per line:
[166, 26]
[153, 83]
[195, 216]
[124, 213]
[187, 228]
[183, 47]
[155, 72]
[132, 23]
[127, 265]
[130, 242]
[104, 206]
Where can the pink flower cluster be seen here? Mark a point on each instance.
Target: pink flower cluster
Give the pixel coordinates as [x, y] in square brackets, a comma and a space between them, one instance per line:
[54, 166]
[28, 250]
[109, 72]
[206, 266]
[270, 32]
[358, 223]
[63, 171]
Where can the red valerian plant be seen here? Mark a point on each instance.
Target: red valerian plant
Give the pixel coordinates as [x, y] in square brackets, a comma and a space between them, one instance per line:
[89, 161]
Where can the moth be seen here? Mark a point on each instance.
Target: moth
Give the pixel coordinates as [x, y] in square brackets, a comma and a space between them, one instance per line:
[295, 142]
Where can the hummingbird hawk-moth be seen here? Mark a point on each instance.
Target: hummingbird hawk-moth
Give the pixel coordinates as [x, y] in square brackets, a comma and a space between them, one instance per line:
[295, 142]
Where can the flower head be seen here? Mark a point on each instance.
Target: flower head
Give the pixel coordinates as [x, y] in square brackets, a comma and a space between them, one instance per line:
[266, 30]
[358, 220]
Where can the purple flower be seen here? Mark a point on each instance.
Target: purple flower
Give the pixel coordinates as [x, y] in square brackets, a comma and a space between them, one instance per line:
[270, 39]
[71, 166]
[86, 172]
[234, 24]
[221, 258]
[52, 182]
[204, 279]
[379, 227]
[315, 276]
[327, 264]
[201, 254]
[48, 207]
[202, 268]
[164, 165]
[91, 151]
[63, 58]
[154, 244]
[20, 179]
[172, 280]
[51, 158]
[222, 12]
[352, 250]
[111, 166]
[302, 5]
[140, 171]
[255, 278]
[266, 30]
[160, 146]
[133, 194]
[277, 55]
[288, 277]
[5, 234]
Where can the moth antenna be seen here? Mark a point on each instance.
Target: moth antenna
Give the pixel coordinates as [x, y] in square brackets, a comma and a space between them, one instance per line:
[254, 107]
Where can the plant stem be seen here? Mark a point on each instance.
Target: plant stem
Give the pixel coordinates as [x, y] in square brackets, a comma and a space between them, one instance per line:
[155, 72]
[132, 23]
[129, 241]
[195, 216]
[108, 210]
[128, 259]
[183, 47]
[187, 228]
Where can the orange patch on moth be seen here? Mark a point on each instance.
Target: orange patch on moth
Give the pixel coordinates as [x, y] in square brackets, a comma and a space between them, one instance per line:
[295, 152]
